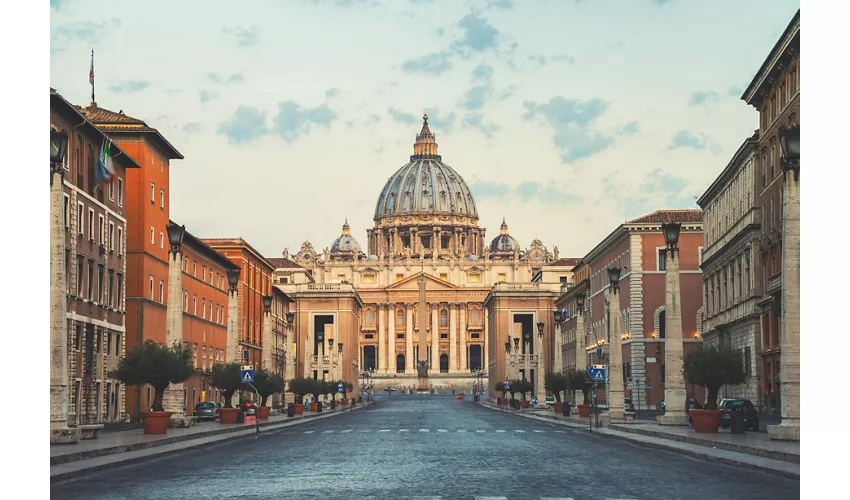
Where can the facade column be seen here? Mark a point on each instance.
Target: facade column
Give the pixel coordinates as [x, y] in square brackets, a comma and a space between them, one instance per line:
[172, 400]
[452, 338]
[581, 343]
[540, 364]
[674, 378]
[486, 362]
[435, 244]
[464, 365]
[232, 355]
[616, 396]
[789, 357]
[290, 353]
[268, 341]
[558, 343]
[435, 339]
[391, 336]
[382, 338]
[409, 362]
[59, 365]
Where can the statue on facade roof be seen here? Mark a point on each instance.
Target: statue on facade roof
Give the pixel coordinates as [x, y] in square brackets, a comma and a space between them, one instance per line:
[555, 252]
[286, 253]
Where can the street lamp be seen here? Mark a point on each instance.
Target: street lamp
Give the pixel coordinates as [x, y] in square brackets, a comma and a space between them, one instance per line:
[233, 278]
[175, 236]
[339, 346]
[540, 326]
[508, 346]
[558, 316]
[614, 277]
[58, 146]
[580, 302]
[671, 232]
[789, 139]
[267, 302]
[290, 317]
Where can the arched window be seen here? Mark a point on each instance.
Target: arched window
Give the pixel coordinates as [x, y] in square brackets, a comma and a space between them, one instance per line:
[444, 318]
[399, 316]
[370, 317]
[662, 324]
[474, 317]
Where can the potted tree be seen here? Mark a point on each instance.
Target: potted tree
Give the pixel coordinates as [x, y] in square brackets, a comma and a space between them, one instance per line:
[299, 387]
[522, 387]
[578, 380]
[513, 390]
[227, 379]
[499, 387]
[349, 388]
[158, 366]
[555, 382]
[267, 384]
[712, 367]
[317, 388]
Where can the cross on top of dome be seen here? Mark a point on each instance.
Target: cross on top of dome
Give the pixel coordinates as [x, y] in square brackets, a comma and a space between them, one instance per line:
[426, 144]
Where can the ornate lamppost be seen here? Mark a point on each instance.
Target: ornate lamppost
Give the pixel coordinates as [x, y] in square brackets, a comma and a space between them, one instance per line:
[173, 399]
[539, 363]
[616, 397]
[232, 354]
[789, 358]
[674, 383]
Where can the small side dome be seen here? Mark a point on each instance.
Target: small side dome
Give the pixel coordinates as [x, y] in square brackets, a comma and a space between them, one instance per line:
[504, 243]
[345, 246]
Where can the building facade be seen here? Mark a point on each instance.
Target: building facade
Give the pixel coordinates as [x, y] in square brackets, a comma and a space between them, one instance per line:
[147, 207]
[731, 270]
[775, 93]
[572, 344]
[638, 248]
[95, 220]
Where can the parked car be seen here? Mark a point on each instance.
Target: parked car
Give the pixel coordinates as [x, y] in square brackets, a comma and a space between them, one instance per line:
[751, 414]
[206, 411]
[550, 400]
[628, 405]
[250, 407]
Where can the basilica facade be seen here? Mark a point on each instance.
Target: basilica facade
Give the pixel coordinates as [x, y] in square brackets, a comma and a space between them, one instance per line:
[425, 286]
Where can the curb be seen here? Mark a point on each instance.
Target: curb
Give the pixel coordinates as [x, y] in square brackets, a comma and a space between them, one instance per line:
[225, 435]
[782, 468]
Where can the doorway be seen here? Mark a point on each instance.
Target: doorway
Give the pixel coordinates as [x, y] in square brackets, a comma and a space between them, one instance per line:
[369, 357]
[444, 363]
[474, 358]
[399, 363]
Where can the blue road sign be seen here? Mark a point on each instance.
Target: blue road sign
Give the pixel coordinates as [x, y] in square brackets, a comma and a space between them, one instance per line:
[340, 388]
[599, 352]
[247, 376]
[597, 374]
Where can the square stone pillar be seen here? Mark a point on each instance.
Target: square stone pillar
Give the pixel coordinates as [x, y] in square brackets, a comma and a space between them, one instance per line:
[581, 343]
[674, 378]
[464, 365]
[435, 339]
[453, 338]
[391, 356]
[268, 341]
[486, 361]
[173, 400]
[616, 396]
[789, 358]
[382, 338]
[59, 365]
[409, 361]
[233, 355]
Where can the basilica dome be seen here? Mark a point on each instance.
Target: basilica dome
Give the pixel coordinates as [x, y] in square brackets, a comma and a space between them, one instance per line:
[504, 243]
[345, 244]
[425, 185]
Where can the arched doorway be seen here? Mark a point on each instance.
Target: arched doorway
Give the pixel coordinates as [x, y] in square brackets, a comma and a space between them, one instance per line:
[370, 357]
[475, 357]
[399, 363]
[444, 363]
[662, 324]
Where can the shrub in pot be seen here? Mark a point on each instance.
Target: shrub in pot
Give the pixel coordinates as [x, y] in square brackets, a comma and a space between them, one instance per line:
[299, 387]
[158, 366]
[499, 387]
[226, 377]
[712, 367]
[577, 380]
[522, 387]
[267, 383]
[555, 382]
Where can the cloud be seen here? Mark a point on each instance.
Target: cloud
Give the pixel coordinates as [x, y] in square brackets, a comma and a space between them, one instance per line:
[476, 121]
[734, 91]
[192, 128]
[542, 60]
[477, 96]
[373, 118]
[661, 2]
[129, 86]
[572, 120]
[226, 79]
[658, 190]
[629, 128]
[292, 121]
[245, 37]
[84, 31]
[420, 1]
[245, 126]
[500, 4]
[401, 116]
[685, 139]
[340, 3]
[207, 95]
[331, 93]
[440, 120]
[436, 63]
[524, 191]
[56, 4]
[703, 98]
[478, 35]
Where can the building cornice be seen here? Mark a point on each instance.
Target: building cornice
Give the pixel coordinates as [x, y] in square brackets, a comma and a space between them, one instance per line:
[754, 95]
[748, 148]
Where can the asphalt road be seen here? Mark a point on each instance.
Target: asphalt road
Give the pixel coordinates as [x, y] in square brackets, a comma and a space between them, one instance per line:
[429, 447]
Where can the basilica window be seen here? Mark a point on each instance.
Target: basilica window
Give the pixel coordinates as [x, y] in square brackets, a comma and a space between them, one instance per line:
[399, 277]
[475, 277]
[444, 318]
[368, 278]
[474, 317]
[444, 276]
[370, 317]
[502, 277]
[399, 317]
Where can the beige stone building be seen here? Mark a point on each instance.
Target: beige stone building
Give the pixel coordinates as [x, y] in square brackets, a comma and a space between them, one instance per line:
[370, 297]
[732, 285]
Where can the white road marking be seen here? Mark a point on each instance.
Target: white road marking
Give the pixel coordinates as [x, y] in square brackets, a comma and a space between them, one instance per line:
[442, 430]
[346, 430]
[384, 430]
[402, 430]
[556, 498]
[535, 430]
[309, 432]
[461, 430]
[480, 430]
[330, 431]
[491, 498]
[424, 430]
[500, 430]
[518, 430]
[561, 432]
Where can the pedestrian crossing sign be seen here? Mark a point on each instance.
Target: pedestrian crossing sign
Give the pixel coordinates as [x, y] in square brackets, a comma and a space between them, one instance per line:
[247, 376]
[597, 374]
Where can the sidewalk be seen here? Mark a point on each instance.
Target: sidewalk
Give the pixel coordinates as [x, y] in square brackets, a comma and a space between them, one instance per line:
[754, 450]
[120, 448]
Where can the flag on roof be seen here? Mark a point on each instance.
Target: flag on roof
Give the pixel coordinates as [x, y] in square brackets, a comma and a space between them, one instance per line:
[104, 171]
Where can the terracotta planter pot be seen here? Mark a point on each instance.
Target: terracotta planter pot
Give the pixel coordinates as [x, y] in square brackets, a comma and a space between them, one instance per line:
[263, 412]
[706, 420]
[299, 409]
[584, 410]
[559, 408]
[345, 402]
[228, 415]
[155, 422]
[523, 404]
[314, 407]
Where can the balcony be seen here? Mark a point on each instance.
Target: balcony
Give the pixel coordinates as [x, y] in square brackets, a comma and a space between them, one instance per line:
[774, 283]
[532, 359]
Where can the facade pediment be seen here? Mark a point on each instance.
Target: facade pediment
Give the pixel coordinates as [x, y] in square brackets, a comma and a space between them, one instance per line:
[412, 283]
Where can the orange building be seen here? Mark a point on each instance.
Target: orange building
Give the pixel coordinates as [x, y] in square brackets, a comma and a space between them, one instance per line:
[147, 212]
[204, 302]
[255, 280]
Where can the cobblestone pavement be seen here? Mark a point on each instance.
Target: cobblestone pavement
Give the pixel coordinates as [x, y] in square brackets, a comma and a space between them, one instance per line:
[429, 447]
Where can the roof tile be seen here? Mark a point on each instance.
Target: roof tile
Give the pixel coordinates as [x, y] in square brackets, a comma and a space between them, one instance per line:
[661, 216]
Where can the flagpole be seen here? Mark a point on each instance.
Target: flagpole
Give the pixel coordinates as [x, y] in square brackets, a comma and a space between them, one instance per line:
[91, 76]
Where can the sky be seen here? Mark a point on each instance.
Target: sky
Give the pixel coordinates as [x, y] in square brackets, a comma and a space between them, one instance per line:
[566, 117]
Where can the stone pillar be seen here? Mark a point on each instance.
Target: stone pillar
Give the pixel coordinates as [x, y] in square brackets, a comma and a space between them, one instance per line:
[59, 369]
[486, 355]
[382, 338]
[290, 353]
[452, 338]
[789, 358]
[674, 382]
[464, 365]
[581, 343]
[414, 237]
[540, 365]
[616, 396]
[380, 241]
[268, 341]
[233, 355]
[391, 357]
[409, 361]
[172, 400]
[558, 343]
[435, 339]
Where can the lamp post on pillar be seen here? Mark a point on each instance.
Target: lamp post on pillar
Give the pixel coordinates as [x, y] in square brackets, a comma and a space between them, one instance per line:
[615, 357]
[232, 354]
[340, 371]
[581, 355]
[789, 358]
[290, 350]
[268, 337]
[540, 364]
[172, 399]
[674, 383]
[59, 430]
[516, 358]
